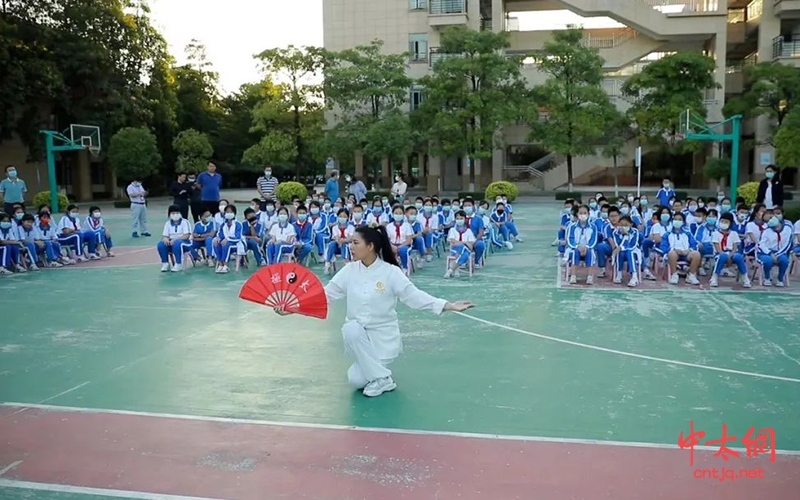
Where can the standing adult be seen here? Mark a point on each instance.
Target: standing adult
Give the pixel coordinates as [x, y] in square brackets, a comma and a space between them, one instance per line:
[181, 192]
[770, 190]
[266, 186]
[332, 187]
[399, 188]
[137, 194]
[13, 190]
[194, 199]
[210, 183]
[357, 188]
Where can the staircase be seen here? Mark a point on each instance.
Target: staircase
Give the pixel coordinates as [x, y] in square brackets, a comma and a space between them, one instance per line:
[658, 19]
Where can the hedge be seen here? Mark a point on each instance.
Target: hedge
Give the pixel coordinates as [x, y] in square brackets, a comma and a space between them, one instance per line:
[43, 198]
[288, 190]
[502, 188]
[792, 214]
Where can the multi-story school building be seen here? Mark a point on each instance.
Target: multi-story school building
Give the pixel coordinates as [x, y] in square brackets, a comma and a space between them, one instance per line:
[736, 33]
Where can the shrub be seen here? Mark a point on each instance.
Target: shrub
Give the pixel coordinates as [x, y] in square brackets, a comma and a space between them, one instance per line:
[287, 190]
[502, 188]
[748, 191]
[475, 195]
[792, 214]
[43, 197]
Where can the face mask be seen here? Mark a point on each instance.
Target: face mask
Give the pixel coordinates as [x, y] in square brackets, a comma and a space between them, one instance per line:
[349, 206]
[342, 221]
[428, 209]
[455, 207]
[643, 202]
[481, 211]
[270, 209]
[385, 202]
[770, 175]
[567, 210]
[418, 206]
[267, 173]
[604, 215]
[624, 210]
[315, 211]
[583, 217]
[254, 207]
[358, 216]
[364, 206]
[5, 225]
[12, 174]
[677, 224]
[773, 222]
[398, 218]
[412, 218]
[625, 229]
[206, 220]
[302, 217]
[779, 217]
[175, 217]
[593, 204]
[192, 179]
[222, 207]
[741, 217]
[692, 208]
[73, 215]
[445, 208]
[230, 216]
[283, 218]
[720, 198]
[19, 215]
[297, 204]
[726, 208]
[724, 225]
[136, 184]
[666, 185]
[630, 199]
[664, 218]
[701, 204]
[376, 210]
[712, 221]
[468, 210]
[460, 222]
[326, 206]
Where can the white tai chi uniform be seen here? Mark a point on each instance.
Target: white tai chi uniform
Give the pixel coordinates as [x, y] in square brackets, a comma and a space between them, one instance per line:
[371, 330]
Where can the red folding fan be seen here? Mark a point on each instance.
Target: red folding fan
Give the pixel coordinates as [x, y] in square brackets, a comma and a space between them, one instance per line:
[290, 285]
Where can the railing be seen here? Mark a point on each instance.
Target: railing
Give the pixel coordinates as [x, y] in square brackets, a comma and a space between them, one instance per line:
[755, 9]
[750, 60]
[737, 16]
[419, 57]
[786, 47]
[608, 41]
[677, 6]
[436, 55]
[512, 24]
[448, 6]
[486, 24]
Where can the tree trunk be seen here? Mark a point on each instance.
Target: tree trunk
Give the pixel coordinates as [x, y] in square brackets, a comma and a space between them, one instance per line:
[616, 178]
[298, 141]
[471, 163]
[569, 173]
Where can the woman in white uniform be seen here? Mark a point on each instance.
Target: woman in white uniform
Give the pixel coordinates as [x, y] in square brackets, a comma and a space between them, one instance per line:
[372, 284]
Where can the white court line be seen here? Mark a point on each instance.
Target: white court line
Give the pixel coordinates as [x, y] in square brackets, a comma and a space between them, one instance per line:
[10, 466]
[629, 354]
[62, 393]
[380, 430]
[81, 490]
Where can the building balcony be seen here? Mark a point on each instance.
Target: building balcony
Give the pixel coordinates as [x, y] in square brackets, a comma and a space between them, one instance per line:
[787, 9]
[734, 80]
[444, 13]
[786, 49]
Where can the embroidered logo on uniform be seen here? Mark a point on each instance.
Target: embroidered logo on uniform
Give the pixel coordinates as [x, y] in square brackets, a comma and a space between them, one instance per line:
[379, 287]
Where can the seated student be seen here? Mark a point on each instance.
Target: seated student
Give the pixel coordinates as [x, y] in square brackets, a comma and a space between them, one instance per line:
[606, 225]
[594, 209]
[45, 236]
[567, 217]
[70, 235]
[645, 210]
[666, 194]
[417, 241]
[755, 228]
[478, 229]
[176, 239]
[319, 228]
[461, 241]
[797, 237]
[773, 248]
[500, 219]
[341, 236]
[229, 238]
[625, 238]
[400, 234]
[446, 217]
[509, 212]
[582, 242]
[661, 226]
[726, 250]
[281, 238]
[378, 216]
[704, 234]
[430, 228]
[219, 217]
[725, 206]
[679, 246]
[740, 224]
[205, 230]
[305, 233]
[778, 212]
[17, 213]
[253, 233]
[27, 236]
[10, 246]
[95, 230]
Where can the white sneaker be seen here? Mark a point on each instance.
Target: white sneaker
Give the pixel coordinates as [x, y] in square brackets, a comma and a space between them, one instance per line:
[727, 273]
[165, 267]
[692, 279]
[20, 269]
[94, 256]
[573, 279]
[509, 245]
[714, 282]
[602, 273]
[177, 268]
[648, 275]
[617, 279]
[34, 267]
[448, 273]
[746, 282]
[110, 253]
[673, 280]
[779, 284]
[518, 239]
[702, 271]
[224, 270]
[590, 280]
[211, 263]
[4, 271]
[634, 281]
[428, 258]
[379, 386]
[328, 268]
[767, 282]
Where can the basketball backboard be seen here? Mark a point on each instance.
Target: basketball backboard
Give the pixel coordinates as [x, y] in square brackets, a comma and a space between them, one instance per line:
[86, 136]
[685, 123]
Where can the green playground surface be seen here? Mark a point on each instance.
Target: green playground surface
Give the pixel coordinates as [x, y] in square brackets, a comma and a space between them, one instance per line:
[556, 363]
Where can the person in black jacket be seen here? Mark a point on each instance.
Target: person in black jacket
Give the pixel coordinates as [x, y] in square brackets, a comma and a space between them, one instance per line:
[195, 202]
[770, 191]
[181, 192]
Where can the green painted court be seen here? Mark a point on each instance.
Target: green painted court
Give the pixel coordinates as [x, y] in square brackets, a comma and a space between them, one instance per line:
[534, 362]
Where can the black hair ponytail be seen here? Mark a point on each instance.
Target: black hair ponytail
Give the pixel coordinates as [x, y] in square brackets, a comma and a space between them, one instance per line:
[379, 239]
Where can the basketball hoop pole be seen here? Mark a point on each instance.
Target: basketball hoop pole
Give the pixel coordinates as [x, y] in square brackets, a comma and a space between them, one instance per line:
[51, 163]
[708, 133]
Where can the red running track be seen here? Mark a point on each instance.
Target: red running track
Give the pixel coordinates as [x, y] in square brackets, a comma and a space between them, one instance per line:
[234, 460]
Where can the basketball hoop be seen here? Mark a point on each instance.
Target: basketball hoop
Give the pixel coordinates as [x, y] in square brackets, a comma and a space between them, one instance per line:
[94, 151]
[673, 139]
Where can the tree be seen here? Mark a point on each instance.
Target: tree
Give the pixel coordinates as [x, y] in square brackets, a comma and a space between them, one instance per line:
[194, 150]
[787, 140]
[577, 106]
[774, 91]
[474, 90]
[197, 92]
[133, 153]
[299, 98]
[717, 169]
[618, 132]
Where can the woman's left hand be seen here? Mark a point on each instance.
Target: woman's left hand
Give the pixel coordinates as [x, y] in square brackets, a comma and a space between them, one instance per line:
[461, 305]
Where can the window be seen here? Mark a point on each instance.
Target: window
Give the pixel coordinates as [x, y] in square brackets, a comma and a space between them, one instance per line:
[417, 96]
[417, 4]
[418, 47]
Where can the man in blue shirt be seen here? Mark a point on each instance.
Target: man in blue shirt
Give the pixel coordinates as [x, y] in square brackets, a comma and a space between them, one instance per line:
[332, 187]
[210, 183]
[13, 190]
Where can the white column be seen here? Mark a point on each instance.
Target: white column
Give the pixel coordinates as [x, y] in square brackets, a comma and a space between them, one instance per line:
[769, 28]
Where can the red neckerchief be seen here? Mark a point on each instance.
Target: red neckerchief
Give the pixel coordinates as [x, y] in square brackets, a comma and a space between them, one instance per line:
[461, 233]
[427, 221]
[342, 230]
[724, 241]
[397, 229]
[95, 222]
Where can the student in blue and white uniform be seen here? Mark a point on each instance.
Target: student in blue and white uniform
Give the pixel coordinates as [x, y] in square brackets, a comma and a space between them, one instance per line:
[319, 228]
[417, 241]
[461, 241]
[726, 244]
[654, 237]
[582, 241]
[478, 229]
[645, 210]
[219, 217]
[680, 245]
[400, 234]
[341, 234]
[358, 216]
[46, 235]
[70, 234]
[755, 228]
[446, 216]
[27, 236]
[176, 239]
[773, 248]
[253, 233]
[740, 221]
[797, 237]
[567, 217]
[305, 234]
[95, 230]
[281, 238]
[378, 216]
[704, 234]
[626, 238]
[605, 225]
[431, 233]
[500, 218]
[666, 194]
[491, 228]
[509, 212]
[594, 210]
[229, 238]
[205, 230]
[10, 247]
